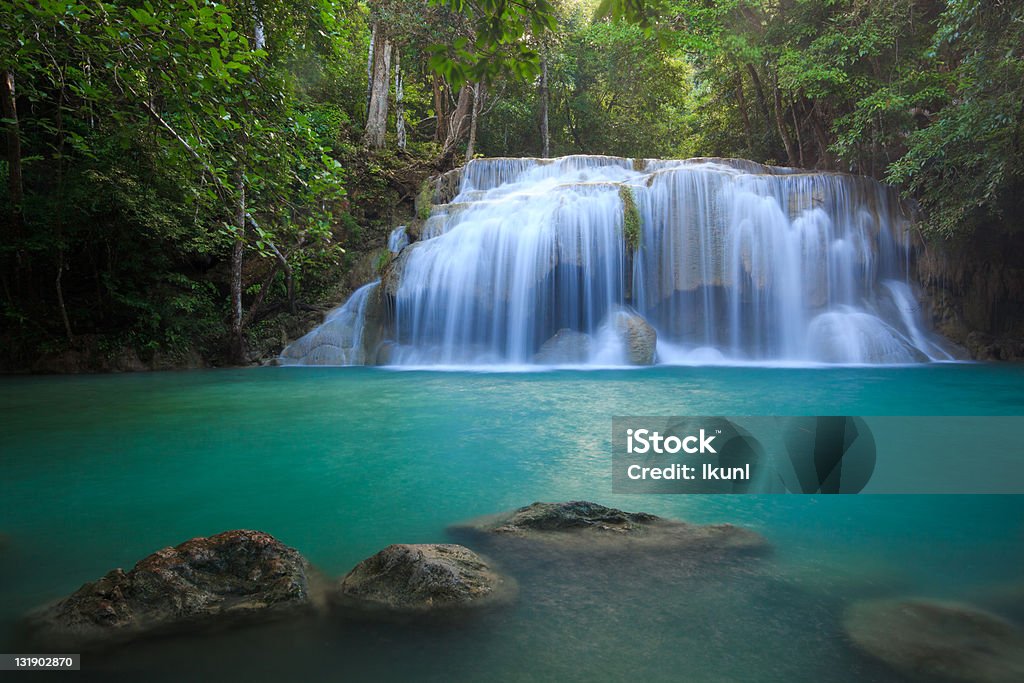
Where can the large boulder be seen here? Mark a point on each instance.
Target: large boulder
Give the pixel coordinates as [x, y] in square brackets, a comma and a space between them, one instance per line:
[938, 641]
[589, 527]
[638, 338]
[427, 578]
[231, 575]
[565, 346]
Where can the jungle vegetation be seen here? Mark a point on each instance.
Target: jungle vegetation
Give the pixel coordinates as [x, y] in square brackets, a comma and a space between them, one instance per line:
[179, 174]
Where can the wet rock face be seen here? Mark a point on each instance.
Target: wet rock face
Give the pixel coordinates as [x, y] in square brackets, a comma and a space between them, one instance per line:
[404, 579]
[446, 186]
[233, 574]
[392, 278]
[565, 346]
[587, 526]
[638, 337]
[938, 641]
[975, 289]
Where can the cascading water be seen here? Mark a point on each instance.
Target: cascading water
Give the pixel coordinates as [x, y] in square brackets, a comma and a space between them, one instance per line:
[339, 339]
[574, 260]
[398, 239]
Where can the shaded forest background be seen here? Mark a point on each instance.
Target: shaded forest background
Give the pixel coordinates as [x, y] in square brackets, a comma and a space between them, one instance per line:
[190, 182]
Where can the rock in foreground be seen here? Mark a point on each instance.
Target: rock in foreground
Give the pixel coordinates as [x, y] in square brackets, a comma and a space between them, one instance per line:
[938, 641]
[595, 527]
[408, 579]
[233, 574]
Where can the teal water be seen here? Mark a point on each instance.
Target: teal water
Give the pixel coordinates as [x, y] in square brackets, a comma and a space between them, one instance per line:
[99, 471]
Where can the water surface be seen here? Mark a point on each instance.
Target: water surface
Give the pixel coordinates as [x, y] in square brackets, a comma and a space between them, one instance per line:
[99, 471]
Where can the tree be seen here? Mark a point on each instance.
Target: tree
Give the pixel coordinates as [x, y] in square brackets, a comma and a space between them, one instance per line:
[193, 101]
[966, 160]
[380, 78]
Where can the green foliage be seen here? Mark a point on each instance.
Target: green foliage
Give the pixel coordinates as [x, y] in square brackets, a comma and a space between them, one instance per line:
[613, 89]
[135, 121]
[927, 95]
[384, 260]
[498, 42]
[967, 164]
[142, 124]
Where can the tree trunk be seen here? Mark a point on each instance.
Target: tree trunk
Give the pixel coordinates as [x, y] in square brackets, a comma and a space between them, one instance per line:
[458, 123]
[15, 186]
[825, 161]
[741, 102]
[780, 122]
[474, 117]
[762, 101]
[545, 135]
[399, 105]
[369, 67]
[237, 350]
[377, 116]
[59, 201]
[440, 110]
[60, 295]
[799, 137]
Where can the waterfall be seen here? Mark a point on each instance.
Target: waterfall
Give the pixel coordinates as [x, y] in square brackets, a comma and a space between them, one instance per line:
[537, 260]
[339, 339]
[398, 239]
[910, 317]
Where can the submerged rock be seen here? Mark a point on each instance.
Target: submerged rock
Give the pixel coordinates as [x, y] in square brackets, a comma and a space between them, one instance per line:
[639, 339]
[938, 640]
[589, 526]
[234, 574]
[407, 579]
[564, 346]
[1006, 597]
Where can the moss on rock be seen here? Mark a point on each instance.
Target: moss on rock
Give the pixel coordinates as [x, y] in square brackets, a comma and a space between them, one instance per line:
[630, 217]
[424, 201]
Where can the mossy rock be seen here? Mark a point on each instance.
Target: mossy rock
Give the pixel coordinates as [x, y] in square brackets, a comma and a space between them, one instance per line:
[416, 579]
[586, 527]
[227, 577]
[630, 218]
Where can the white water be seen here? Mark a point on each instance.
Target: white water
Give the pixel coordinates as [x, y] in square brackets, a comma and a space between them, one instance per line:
[736, 263]
[398, 240]
[910, 315]
[339, 339]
